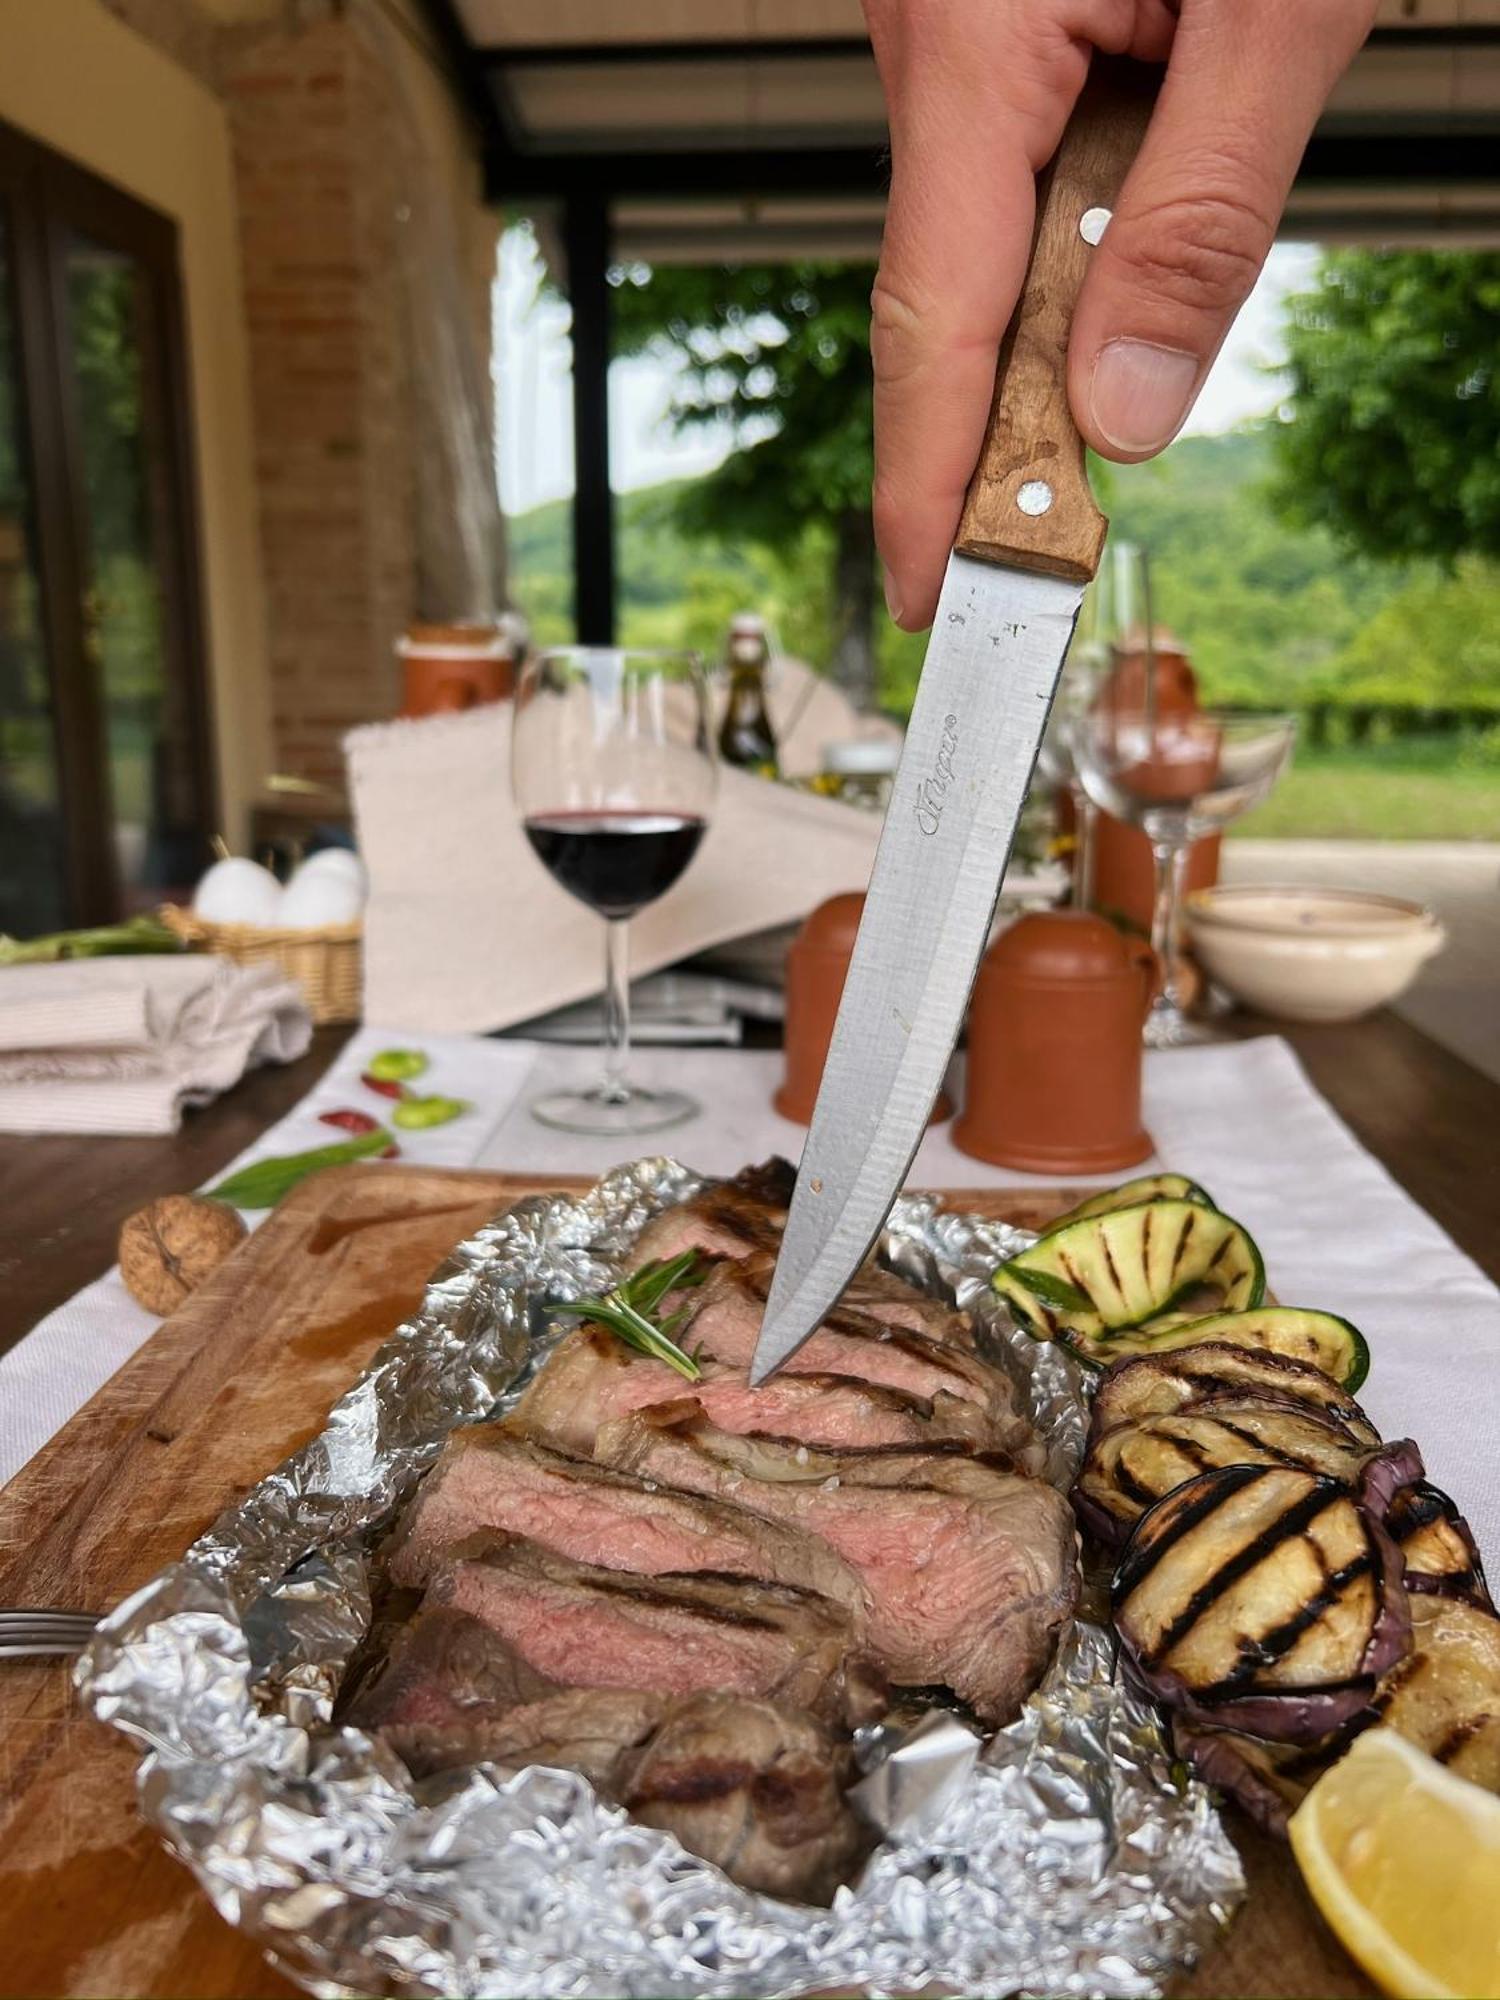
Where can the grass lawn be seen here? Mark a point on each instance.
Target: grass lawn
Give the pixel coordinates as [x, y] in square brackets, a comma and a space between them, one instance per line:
[1419, 789]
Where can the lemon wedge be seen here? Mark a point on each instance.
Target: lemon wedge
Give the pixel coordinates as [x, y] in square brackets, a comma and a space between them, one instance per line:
[1403, 1859]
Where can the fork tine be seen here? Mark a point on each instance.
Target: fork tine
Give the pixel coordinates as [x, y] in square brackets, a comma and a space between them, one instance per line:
[34, 1624]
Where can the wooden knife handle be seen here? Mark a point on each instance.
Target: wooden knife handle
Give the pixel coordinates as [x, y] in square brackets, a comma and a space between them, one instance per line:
[1029, 501]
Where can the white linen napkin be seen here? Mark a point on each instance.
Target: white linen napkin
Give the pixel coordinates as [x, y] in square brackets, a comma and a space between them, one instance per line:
[465, 929]
[121, 1045]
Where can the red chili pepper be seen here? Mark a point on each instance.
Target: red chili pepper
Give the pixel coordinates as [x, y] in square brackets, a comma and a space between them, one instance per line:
[384, 1089]
[348, 1121]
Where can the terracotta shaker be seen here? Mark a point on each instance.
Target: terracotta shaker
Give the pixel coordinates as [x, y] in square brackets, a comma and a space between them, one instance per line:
[1124, 877]
[1054, 1081]
[449, 667]
[816, 967]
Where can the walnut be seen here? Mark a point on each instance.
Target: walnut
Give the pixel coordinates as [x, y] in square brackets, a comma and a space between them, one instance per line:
[169, 1247]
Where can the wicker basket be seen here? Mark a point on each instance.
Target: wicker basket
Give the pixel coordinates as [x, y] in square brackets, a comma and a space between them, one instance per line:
[324, 963]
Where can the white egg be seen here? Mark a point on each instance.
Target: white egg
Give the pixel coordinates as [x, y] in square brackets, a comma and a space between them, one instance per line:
[341, 861]
[316, 897]
[237, 891]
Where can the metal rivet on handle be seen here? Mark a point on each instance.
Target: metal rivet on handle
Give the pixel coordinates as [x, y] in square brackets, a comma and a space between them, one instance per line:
[1035, 497]
[1093, 223]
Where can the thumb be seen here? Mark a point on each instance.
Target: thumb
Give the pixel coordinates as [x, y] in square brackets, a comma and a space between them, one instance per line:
[1198, 212]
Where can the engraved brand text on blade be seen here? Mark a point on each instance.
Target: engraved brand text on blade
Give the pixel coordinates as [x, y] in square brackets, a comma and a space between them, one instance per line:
[935, 788]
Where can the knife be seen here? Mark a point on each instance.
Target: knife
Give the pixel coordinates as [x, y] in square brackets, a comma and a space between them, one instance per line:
[1028, 541]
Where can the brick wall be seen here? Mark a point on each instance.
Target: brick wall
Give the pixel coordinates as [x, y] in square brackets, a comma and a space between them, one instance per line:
[330, 126]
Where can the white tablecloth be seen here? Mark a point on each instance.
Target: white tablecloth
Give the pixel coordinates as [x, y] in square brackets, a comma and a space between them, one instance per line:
[1241, 1118]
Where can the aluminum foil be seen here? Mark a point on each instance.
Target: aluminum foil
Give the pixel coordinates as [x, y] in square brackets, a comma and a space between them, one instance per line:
[1069, 1855]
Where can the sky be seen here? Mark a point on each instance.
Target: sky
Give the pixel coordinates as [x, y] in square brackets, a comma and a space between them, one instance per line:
[534, 441]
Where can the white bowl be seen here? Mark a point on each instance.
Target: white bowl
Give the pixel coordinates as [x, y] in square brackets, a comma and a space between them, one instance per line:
[1311, 954]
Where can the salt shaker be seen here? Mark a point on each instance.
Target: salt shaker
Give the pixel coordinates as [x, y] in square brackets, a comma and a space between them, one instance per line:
[1054, 1076]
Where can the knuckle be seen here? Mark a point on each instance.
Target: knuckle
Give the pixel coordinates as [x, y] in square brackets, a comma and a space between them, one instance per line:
[1203, 251]
[896, 333]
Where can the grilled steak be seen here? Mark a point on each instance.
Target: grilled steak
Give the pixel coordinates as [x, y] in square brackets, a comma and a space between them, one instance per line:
[728, 1219]
[969, 1565]
[488, 1476]
[443, 1670]
[592, 1377]
[755, 1787]
[577, 1625]
[726, 1312]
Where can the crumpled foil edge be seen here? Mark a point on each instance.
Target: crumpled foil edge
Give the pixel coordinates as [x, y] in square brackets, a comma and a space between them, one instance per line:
[1069, 1855]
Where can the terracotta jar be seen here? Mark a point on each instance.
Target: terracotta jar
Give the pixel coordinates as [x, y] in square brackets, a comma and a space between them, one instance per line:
[450, 667]
[816, 968]
[1054, 1079]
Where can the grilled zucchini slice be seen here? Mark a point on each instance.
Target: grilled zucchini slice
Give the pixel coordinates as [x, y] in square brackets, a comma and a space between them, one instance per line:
[1320, 1339]
[1131, 1194]
[1262, 1598]
[1129, 1265]
[1129, 1468]
[1156, 1385]
[1437, 1546]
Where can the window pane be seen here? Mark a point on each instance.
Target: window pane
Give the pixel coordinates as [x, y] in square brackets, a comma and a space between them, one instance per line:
[153, 787]
[32, 892]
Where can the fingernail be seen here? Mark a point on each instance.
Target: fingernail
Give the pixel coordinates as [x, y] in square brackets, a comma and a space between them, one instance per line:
[892, 595]
[1140, 393]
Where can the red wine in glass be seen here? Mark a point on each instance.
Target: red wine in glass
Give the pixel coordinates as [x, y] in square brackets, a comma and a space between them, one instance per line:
[616, 862]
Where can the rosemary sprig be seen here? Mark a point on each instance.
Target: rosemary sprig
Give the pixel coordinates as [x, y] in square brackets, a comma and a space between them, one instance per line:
[627, 1309]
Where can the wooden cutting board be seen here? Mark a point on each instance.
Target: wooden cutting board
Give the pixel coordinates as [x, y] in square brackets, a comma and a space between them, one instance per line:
[90, 1903]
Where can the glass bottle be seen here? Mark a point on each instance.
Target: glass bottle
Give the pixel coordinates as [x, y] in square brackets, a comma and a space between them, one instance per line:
[746, 737]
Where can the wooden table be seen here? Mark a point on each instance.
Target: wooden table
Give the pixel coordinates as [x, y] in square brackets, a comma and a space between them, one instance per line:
[1428, 1116]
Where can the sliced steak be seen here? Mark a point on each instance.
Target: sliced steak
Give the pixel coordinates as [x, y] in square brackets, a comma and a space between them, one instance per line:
[970, 1566]
[753, 1786]
[592, 1377]
[578, 1625]
[490, 1476]
[883, 1296]
[443, 1670]
[727, 1310]
[728, 1219]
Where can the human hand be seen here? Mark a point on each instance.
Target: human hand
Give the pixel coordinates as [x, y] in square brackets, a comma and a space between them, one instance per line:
[978, 93]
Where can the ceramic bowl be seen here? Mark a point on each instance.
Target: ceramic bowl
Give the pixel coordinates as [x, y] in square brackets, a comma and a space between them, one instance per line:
[1311, 954]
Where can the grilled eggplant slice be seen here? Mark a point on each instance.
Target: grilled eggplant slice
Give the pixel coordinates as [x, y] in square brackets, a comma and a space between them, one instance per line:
[1437, 1546]
[1265, 1598]
[1131, 1467]
[1318, 1339]
[1130, 1194]
[1129, 1265]
[1267, 1781]
[1156, 1385]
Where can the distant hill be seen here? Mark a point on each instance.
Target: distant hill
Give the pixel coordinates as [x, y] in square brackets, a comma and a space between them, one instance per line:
[1267, 613]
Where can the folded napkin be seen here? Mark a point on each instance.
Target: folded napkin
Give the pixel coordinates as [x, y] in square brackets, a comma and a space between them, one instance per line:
[465, 929]
[123, 1044]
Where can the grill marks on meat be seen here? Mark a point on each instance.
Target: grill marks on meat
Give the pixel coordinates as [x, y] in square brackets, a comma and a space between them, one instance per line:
[754, 1787]
[969, 1565]
[488, 1476]
[443, 1669]
[592, 1378]
[728, 1219]
[574, 1624]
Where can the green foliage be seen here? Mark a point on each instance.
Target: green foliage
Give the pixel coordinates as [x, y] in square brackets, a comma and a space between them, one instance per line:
[1393, 440]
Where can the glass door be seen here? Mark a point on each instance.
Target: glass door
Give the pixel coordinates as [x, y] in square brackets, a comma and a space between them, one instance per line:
[110, 721]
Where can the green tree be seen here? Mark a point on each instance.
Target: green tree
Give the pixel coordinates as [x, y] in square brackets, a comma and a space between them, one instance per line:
[1393, 434]
[781, 354]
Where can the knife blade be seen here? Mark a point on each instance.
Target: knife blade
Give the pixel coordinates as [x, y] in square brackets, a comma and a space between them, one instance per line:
[1029, 540]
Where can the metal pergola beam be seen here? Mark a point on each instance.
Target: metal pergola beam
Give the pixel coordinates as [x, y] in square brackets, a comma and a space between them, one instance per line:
[586, 245]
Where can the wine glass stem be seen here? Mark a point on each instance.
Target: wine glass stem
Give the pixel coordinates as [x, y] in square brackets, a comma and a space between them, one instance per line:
[1170, 857]
[1086, 828]
[614, 1089]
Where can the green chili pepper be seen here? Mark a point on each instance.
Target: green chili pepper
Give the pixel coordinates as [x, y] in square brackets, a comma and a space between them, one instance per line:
[413, 1114]
[264, 1182]
[397, 1065]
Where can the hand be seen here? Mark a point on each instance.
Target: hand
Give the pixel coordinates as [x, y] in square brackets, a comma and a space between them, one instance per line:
[978, 93]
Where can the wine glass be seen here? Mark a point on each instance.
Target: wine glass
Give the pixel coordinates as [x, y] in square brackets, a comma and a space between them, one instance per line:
[1178, 775]
[612, 765]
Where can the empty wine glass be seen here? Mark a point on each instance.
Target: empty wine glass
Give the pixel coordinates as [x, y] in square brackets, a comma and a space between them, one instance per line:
[612, 766]
[1178, 776]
